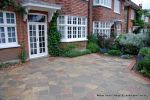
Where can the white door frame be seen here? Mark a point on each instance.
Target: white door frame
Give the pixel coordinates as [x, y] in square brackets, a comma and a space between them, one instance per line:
[46, 42]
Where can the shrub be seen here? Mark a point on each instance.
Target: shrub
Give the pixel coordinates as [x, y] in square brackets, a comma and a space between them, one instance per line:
[114, 52]
[75, 53]
[145, 51]
[23, 56]
[54, 37]
[93, 47]
[69, 48]
[92, 39]
[144, 66]
[131, 43]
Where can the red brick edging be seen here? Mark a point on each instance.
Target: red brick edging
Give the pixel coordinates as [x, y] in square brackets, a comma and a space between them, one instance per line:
[136, 73]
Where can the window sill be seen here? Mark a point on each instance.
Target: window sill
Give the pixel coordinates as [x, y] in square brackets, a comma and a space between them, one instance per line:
[97, 5]
[117, 13]
[75, 40]
[9, 46]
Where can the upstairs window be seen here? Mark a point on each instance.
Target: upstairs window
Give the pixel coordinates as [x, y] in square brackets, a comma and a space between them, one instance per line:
[8, 34]
[117, 6]
[132, 14]
[105, 3]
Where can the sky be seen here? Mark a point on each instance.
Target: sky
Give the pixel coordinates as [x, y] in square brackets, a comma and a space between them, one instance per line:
[145, 3]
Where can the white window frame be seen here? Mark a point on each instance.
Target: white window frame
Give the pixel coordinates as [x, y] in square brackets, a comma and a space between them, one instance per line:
[76, 23]
[117, 6]
[132, 14]
[6, 25]
[104, 3]
[103, 28]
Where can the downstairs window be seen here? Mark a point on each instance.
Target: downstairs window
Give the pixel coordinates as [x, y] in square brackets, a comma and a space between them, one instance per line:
[72, 28]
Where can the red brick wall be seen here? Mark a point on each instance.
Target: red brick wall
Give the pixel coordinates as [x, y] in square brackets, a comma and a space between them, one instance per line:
[101, 13]
[12, 53]
[74, 7]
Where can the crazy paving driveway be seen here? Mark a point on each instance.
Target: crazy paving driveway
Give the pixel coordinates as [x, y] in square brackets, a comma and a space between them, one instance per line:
[90, 77]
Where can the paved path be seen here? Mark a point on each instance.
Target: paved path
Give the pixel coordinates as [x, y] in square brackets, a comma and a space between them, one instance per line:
[81, 78]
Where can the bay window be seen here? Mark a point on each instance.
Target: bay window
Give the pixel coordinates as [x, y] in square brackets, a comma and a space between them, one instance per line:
[8, 34]
[102, 28]
[73, 28]
[105, 3]
[117, 6]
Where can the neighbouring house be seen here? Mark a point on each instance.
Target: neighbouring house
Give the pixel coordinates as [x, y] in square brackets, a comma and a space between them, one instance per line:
[108, 17]
[130, 15]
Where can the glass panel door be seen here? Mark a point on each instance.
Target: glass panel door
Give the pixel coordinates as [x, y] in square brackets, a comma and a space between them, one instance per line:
[37, 33]
[33, 40]
[41, 32]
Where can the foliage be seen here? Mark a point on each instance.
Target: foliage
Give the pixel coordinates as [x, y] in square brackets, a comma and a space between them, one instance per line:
[75, 53]
[93, 39]
[17, 6]
[131, 43]
[23, 55]
[114, 52]
[145, 51]
[7, 65]
[54, 37]
[69, 48]
[138, 21]
[93, 47]
[144, 66]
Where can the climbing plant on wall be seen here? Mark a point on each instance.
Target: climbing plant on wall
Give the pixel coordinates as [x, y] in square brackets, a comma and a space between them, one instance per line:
[16, 5]
[54, 37]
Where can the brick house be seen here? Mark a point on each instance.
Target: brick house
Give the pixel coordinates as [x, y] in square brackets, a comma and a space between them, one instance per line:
[32, 27]
[130, 14]
[77, 19]
[108, 17]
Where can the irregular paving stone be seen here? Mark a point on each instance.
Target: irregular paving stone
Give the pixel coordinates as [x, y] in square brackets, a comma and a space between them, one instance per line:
[80, 78]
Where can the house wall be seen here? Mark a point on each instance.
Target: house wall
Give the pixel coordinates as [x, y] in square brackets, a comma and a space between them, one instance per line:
[13, 53]
[74, 8]
[101, 13]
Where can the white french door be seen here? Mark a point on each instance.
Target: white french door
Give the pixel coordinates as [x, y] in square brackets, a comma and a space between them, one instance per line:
[37, 39]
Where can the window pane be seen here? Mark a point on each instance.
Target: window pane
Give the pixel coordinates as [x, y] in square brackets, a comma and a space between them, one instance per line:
[79, 21]
[69, 32]
[61, 20]
[11, 34]
[10, 18]
[69, 20]
[1, 17]
[74, 20]
[79, 32]
[83, 32]
[62, 31]
[74, 32]
[36, 18]
[83, 21]
[2, 35]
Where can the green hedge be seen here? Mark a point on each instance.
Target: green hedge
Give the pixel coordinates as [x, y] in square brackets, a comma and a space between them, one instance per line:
[114, 52]
[93, 47]
[144, 66]
[75, 53]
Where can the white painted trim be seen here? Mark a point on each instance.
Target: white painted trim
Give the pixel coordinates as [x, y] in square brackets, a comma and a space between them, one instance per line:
[99, 4]
[66, 25]
[46, 37]
[75, 40]
[6, 25]
[40, 5]
[9, 46]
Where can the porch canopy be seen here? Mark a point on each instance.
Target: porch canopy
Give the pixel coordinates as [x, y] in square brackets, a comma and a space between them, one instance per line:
[40, 6]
